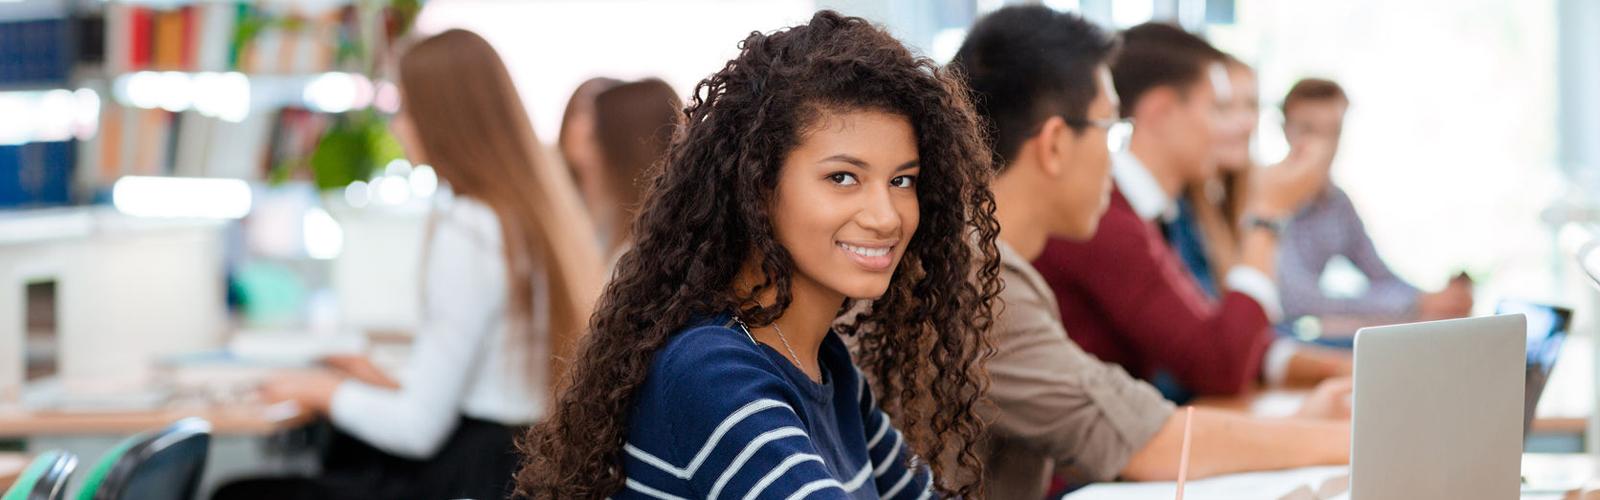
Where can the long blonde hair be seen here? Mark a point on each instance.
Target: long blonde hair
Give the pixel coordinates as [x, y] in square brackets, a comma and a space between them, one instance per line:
[475, 132]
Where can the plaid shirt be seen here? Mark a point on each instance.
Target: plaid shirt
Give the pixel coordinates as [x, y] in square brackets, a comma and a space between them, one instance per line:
[1328, 227]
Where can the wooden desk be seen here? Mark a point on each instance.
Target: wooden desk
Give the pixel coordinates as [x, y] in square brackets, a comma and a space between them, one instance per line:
[11, 466]
[239, 419]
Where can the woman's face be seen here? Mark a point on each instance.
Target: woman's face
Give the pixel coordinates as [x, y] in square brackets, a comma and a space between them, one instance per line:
[405, 132]
[582, 152]
[1238, 120]
[846, 202]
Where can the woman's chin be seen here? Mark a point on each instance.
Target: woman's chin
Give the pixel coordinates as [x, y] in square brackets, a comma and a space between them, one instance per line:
[866, 291]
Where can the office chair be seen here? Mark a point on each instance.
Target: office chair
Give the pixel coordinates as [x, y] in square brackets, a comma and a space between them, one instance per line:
[161, 465]
[45, 478]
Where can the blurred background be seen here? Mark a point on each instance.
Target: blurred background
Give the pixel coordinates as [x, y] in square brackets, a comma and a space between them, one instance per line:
[183, 176]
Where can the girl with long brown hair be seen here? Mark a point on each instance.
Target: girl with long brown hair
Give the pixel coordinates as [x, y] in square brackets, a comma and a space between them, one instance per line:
[579, 147]
[633, 123]
[510, 274]
[824, 169]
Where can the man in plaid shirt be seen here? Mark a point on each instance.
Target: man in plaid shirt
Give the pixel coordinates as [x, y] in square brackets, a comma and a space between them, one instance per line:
[1328, 226]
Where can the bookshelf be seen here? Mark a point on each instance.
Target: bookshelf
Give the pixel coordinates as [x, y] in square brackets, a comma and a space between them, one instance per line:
[240, 89]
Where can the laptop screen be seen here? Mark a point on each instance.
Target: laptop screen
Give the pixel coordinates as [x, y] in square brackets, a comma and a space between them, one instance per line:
[1547, 331]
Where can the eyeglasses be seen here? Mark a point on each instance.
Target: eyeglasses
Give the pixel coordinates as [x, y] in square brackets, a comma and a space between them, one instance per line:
[1105, 123]
[1118, 130]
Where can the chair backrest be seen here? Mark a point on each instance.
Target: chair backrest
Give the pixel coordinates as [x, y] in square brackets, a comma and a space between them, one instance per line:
[162, 465]
[45, 478]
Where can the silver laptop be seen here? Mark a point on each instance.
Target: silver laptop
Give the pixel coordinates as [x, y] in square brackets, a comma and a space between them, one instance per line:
[1438, 410]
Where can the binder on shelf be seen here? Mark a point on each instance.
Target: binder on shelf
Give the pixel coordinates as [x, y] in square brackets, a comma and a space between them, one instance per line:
[36, 52]
[36, 174]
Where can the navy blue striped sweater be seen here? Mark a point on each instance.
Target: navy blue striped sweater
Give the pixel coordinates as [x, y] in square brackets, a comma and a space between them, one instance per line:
[721, 416]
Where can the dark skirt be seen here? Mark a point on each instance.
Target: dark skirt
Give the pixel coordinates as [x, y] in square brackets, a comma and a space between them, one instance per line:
[476, 461]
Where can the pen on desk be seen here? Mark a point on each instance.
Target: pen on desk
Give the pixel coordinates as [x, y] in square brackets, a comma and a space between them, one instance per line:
[1183, 456]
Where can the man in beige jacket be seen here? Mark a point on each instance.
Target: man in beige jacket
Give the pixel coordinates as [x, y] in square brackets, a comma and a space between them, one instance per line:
[1041, 81]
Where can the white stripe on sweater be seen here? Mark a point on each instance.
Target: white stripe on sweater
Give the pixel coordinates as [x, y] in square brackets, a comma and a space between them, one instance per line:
[860, 479]
[905, 479]
[778, 472]
[652, 492]
[890, 459]
[927, 488]
[750, 449]
[813, 487]
[883, 428]
[711, 442]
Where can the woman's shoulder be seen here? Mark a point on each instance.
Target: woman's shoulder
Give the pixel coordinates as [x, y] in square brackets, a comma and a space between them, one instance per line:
[710, 345]
[714, 359]
[469, 217]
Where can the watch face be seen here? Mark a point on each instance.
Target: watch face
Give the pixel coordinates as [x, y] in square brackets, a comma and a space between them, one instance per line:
[1275, 225]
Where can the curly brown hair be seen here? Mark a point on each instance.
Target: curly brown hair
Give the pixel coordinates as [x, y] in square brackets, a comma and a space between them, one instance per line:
[923, 343]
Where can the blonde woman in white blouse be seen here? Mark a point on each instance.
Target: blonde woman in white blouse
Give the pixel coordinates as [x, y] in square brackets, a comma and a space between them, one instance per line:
[510, 275]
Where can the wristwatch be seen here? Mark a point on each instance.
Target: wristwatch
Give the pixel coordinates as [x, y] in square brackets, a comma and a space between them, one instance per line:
[1274, 225]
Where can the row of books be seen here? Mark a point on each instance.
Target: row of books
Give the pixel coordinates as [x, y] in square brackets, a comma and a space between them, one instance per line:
[133, 141]
[221, 36]
[269, 38]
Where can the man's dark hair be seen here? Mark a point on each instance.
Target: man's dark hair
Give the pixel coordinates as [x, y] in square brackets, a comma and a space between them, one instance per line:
[1314, 89]
[1158, 55]
[1025, 64]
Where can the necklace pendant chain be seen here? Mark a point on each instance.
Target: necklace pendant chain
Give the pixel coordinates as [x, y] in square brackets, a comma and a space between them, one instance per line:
[781, 338]
[786, 345]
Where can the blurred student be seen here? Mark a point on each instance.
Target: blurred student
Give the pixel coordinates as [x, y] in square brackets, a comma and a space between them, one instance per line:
[823, 166]
[1212, 209]
[633, 123]
[579, 146]
[509, 277]
[1125, 295]
[1042, 84]
[1327, 226]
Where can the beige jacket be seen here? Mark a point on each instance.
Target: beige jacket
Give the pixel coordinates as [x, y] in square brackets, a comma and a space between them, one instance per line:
[1057, 407]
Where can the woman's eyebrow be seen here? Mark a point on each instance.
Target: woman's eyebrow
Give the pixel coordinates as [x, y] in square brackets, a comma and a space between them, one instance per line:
[861, 164]
[844, 158]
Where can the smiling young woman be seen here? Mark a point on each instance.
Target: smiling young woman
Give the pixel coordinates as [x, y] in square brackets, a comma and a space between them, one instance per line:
[823, 170]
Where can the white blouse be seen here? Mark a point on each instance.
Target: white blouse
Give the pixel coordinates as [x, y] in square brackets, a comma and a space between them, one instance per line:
[462, 362]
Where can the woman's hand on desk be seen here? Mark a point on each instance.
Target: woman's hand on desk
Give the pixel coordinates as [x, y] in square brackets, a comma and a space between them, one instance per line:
[312, 390]
[360, 368]
[1329, 401]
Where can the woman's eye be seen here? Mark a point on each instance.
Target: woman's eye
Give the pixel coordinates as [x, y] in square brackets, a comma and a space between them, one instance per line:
[843, 179]
[904, 181]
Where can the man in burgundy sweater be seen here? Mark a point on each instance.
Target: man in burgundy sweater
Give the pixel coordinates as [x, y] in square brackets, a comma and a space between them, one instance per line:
[1124, 294]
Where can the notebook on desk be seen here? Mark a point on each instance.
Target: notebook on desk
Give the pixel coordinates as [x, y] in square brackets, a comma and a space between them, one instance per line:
[1310, 483]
